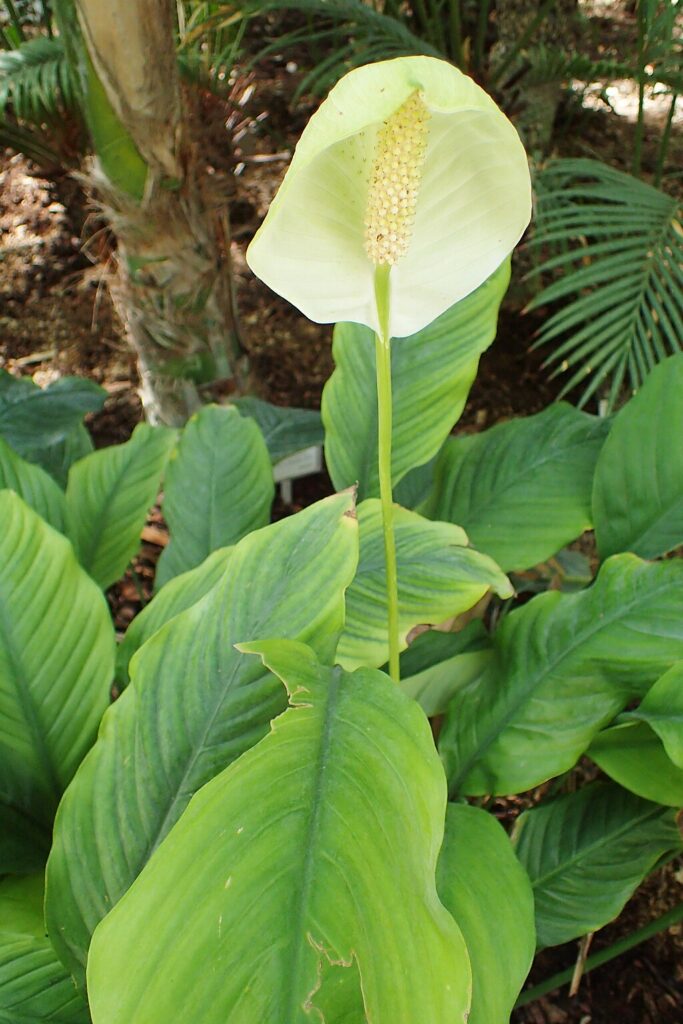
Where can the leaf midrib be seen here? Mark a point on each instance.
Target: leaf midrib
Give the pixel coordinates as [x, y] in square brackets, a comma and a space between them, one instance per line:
[549, 667]
[665, 511]
[29, 711]
[491, 500]
[228, 690]
[586, 851]
[311, 831]
[97, 529]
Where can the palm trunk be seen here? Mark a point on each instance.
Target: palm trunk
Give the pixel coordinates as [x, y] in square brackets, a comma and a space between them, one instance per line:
[173, 286]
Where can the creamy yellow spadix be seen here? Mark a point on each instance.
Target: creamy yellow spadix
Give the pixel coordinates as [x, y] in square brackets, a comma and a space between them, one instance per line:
[394, 184]
[407, 165]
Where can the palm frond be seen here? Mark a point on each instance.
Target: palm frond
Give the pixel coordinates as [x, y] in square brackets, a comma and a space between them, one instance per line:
[617, 244]
[37, 82]
[31, 143]
[549, 64]
[355, 33]
[207, 49]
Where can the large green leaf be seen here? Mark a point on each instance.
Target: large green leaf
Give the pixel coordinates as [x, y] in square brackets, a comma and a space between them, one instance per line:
[193, 706]
[586, 852]
[632, 754]
[219, 487]
[438, 665]
[34, 987]
[638, 490]
[521, 490]
[260, 883]
[108, 497]
[565, 665]
[179, 594]
[56, 660]
[483, 885]
[431, 374]
[662, 709]
[438, 577]
[44, 424]
[285, 430]
[644, 750]
[58, 458]
[33, 484]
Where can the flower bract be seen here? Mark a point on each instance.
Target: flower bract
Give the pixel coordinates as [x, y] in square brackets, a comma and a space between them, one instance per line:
[409, 165]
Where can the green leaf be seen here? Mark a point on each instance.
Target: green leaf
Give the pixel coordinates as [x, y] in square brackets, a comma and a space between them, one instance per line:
[39, 491]
[219, 487]
[638, 490]
[179, 594]
[24, 843]
[438, 577]
[488, 893]
[34, 987]
[521, 490]
[644, 750]
[431, 374]
[344, 871]
[438, 665]
[414, 488]
[632, 754]
[163, 739]
[586, 852]
[58, 458]
[285, 430]
[662, 709]
[38, 423]
[108, 497]
[56, 660]
[565, 665]
[339, 998]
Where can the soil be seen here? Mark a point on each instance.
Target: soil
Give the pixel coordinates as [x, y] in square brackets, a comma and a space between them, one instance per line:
[56, 318]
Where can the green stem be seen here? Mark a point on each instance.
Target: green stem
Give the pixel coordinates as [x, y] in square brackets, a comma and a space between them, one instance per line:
[660, 924]
[383, 365]
[456, 32]
[15, 20]
[641, 16]
[480, 37]
[664, 145]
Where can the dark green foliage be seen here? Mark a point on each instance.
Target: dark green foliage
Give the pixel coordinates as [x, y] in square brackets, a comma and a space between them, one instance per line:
[618, 245]
[45, 425]
[36, 82]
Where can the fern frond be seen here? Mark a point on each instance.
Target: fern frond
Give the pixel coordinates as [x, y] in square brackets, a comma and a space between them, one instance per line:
[36, 81]
[617, 243]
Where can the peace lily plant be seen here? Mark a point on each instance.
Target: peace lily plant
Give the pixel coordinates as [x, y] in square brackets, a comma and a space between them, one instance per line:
[408, 188]
[261, 828]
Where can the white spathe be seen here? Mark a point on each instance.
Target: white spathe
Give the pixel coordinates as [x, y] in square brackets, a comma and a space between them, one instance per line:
[473, 205]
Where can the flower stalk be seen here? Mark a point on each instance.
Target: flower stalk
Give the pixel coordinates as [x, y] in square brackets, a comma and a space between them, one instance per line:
[384, 417]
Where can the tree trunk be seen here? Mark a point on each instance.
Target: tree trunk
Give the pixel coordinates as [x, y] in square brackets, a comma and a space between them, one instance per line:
[173, 286]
